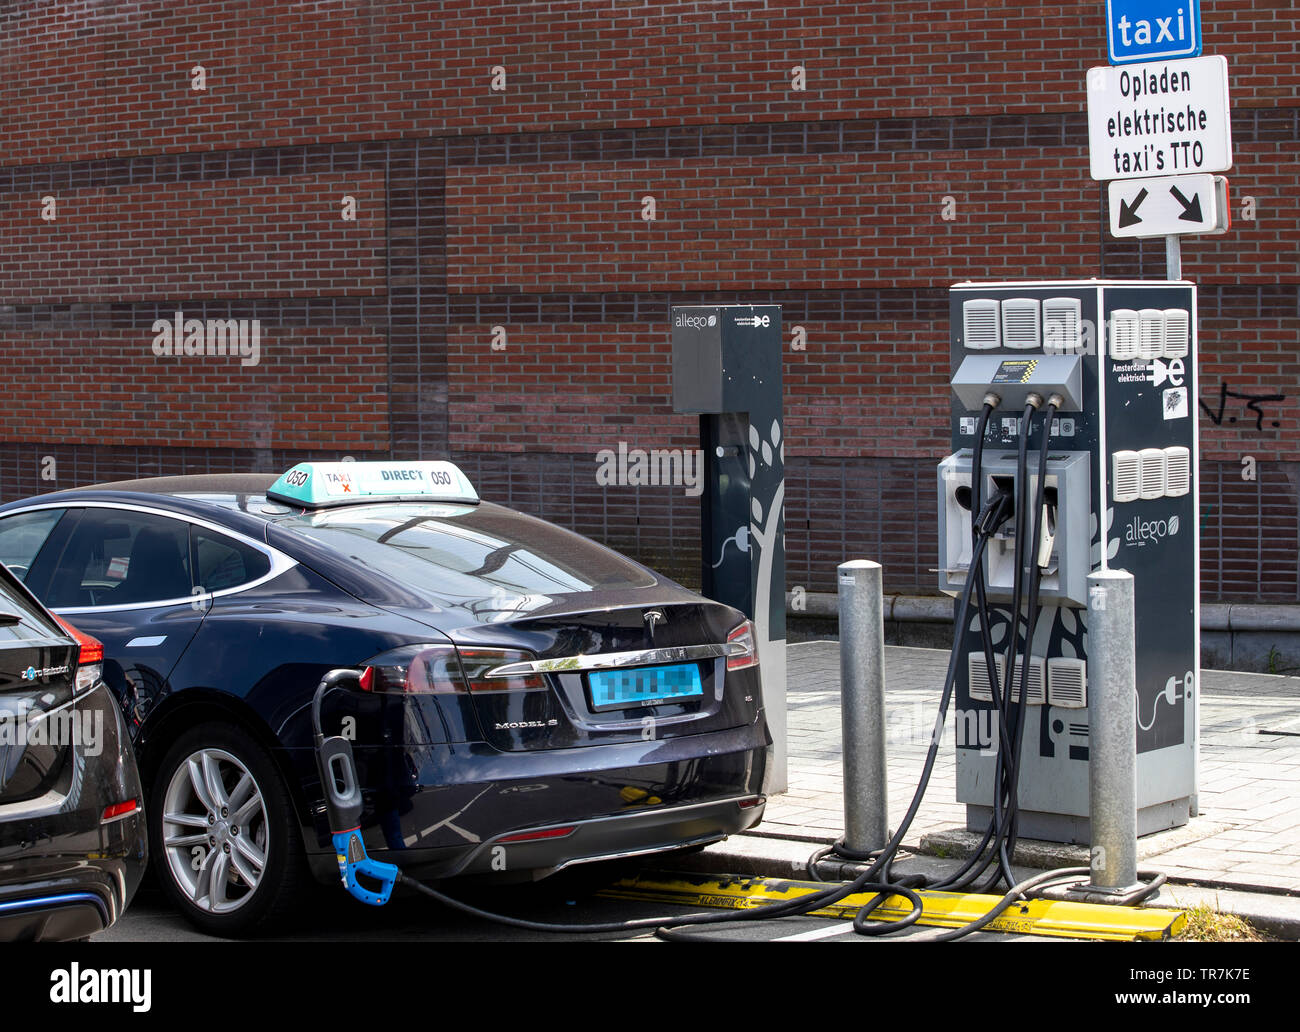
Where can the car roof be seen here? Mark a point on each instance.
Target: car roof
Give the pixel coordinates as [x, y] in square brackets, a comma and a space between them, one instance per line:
[203, 483]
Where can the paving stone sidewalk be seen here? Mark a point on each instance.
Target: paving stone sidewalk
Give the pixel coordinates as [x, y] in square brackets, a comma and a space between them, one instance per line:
[1250, 766]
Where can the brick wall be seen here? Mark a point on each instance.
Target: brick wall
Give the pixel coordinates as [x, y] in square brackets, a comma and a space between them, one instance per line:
[522, 209]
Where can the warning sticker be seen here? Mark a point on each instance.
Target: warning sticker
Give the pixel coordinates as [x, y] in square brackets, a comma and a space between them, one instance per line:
[1015, 370]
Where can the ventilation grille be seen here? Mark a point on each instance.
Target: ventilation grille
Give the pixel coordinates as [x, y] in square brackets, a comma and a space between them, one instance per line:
[1126, 476]
[1062, 324]
[1151, 473]
[1035, 690]
[978, 676]
[1152, 461]
[981, 324]
[1020, 326]
[1178, 471]
[1067, 683]
[1123, 334]
[1151, 333]
[1177, 322]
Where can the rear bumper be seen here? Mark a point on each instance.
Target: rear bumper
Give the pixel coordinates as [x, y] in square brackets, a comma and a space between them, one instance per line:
[606, 838]
[57, 898]
[57, 917]
[440, 811]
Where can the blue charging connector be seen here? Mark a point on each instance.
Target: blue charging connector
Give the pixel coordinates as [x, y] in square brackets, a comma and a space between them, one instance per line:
[350, 852]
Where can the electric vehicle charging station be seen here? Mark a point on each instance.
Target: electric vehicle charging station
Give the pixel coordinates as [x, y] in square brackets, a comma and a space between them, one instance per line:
[1120, 492]
[727, 370]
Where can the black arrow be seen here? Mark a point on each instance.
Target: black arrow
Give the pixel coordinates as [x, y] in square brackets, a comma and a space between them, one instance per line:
[1128, 215]
[1192, 209]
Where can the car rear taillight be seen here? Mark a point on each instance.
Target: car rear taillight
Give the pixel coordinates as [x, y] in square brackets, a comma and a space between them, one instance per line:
[420, 669]
[742, 652]
[444, 669]
[90, 660]
[481, 668]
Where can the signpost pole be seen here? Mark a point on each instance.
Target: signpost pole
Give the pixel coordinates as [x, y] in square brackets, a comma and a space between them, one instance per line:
[1173, 258]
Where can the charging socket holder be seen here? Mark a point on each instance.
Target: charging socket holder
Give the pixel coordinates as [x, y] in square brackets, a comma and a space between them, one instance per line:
[1065, 580]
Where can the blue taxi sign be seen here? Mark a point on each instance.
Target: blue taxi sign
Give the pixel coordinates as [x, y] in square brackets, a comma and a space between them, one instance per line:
[1152, 30]
[317, 485]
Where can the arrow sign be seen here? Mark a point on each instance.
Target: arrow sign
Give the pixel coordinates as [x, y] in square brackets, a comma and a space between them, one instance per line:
[1163, 207]
[1128, 215]
[1192, 208]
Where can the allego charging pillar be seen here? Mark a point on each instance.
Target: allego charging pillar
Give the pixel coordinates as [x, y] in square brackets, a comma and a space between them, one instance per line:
[727, 369]
[1121, 490]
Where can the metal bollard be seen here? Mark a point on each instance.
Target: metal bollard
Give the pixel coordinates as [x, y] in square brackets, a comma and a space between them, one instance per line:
[862, 705]
[1112, 731]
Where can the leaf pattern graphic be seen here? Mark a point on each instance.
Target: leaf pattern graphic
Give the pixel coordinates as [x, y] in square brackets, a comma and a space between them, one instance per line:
[776, 433]
[757, 509]
[767, 454]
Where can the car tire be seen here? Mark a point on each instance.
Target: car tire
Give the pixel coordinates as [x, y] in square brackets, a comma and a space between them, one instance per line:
[227, 879]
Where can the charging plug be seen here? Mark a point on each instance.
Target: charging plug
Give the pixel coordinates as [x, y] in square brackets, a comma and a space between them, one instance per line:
[1046, 535]
[1000, 507]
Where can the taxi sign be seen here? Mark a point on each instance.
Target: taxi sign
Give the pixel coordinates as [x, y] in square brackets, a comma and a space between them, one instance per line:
[316, 485]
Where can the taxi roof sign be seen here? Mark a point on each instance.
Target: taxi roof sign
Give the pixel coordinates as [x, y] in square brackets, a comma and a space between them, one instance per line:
[318, 485]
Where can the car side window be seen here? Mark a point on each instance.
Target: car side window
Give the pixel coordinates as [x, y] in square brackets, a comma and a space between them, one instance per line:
[121, 557]
[221, 562]
[22, 536]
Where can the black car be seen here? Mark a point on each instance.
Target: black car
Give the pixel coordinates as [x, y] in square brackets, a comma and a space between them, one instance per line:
[72, 832]
[536, 700]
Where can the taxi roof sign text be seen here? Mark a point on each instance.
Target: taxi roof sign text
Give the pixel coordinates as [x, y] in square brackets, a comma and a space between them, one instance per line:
[317, 485]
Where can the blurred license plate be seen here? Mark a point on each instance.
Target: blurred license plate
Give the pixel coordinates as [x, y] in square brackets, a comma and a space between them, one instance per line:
[644, 686]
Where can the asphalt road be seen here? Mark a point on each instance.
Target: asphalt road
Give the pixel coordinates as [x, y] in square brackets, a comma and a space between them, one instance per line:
[332, 916]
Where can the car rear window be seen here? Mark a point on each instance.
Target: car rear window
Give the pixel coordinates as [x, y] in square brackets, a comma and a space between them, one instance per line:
[469, 551]
[21, 619]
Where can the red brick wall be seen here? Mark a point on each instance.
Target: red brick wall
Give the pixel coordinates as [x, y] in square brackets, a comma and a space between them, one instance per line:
[111, 386]
[523, 209]
[257, 236]
[335, 70]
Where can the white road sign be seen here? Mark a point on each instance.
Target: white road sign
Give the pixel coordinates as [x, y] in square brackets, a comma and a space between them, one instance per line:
[1161, 117]
[1166, 206]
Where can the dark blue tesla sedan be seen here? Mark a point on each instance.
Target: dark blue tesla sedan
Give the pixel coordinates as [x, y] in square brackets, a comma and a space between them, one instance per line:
[536, 701]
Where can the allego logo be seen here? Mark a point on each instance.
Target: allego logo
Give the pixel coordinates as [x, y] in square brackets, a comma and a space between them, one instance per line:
[695, 322]
[1139, 532]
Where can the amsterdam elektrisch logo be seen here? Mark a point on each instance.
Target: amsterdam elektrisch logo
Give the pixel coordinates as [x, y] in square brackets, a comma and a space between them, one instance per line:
[1139, 532]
